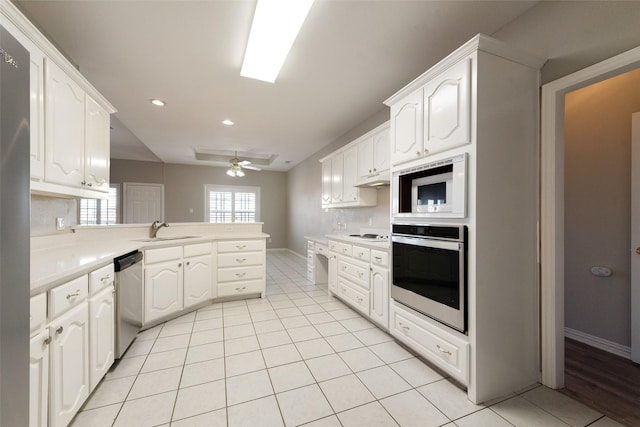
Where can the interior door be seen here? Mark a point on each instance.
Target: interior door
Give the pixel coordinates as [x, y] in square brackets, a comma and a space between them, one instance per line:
[635, 238]
[143, 203]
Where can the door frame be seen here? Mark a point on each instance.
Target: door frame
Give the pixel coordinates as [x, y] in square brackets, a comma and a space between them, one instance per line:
[552, 206]
[146, 184]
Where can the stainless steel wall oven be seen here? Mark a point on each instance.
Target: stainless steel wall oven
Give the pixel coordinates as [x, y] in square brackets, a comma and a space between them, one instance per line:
[430, 271]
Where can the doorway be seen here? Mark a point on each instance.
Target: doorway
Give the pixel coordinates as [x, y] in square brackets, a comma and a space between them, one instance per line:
[142, 203]
[553, 208]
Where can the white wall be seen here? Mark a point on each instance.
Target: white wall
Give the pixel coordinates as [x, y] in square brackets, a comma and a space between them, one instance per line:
[304, 187]
[597, 206]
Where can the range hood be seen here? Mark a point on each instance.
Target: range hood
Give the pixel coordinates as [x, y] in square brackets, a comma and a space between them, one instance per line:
[379, 180]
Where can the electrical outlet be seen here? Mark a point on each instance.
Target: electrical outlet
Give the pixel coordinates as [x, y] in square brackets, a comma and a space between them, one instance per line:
[59, 223]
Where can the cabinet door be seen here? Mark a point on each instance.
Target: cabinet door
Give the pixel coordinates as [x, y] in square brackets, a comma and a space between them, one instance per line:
[380, 148]
[406, 129]
[350, 175]
[64, 128]
[365, 158]
[96, 166]
[336, 178]
[379, 308]
[39, 380]
[326, 182]
[69, 364]
[36, 121]
[197, 279]
[447, 109]
[333, 275]
[162, 290]
[101, 335]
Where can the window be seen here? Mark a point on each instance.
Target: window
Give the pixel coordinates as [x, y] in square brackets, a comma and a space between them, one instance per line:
[231, 203]
[103, 211]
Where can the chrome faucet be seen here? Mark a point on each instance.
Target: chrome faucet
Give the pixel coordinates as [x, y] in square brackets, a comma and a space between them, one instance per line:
[155, 227]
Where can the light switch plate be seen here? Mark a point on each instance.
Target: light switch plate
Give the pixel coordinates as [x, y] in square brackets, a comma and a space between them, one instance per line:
[59, 223]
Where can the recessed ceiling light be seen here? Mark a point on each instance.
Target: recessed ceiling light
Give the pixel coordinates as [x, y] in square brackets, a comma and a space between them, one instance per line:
[228, 122]
[158, 102]
[275, 26]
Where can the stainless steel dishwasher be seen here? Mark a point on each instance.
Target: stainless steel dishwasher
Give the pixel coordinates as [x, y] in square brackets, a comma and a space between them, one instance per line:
[128, 269]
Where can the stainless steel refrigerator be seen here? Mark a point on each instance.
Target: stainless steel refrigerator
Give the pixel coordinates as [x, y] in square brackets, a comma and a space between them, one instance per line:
[14, 232]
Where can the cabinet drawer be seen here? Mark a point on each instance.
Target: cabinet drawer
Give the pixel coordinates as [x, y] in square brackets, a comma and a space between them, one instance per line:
[344, 249]
[355, 273]
[249, 287]
[162, 254]
[241, 245]
[358, 298]
[322, 249]
[380, 258]
[360, 253]
[310, 245]
[237, 260]
[38, 311]
[197, 249]
[437, 345]
[100, 279]
[333, 246]
[241, 273]
[66, 296]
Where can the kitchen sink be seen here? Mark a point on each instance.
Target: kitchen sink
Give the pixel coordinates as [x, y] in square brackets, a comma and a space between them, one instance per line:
[162, 239]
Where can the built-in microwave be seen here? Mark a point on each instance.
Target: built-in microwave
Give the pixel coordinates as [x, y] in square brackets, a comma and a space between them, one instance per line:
[433, 190]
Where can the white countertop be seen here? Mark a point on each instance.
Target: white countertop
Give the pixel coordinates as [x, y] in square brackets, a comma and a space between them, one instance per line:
[57, 259]
[318, 239]
[370, 243]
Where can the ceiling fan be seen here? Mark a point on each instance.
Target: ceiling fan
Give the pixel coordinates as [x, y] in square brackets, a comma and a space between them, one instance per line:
[237, 165]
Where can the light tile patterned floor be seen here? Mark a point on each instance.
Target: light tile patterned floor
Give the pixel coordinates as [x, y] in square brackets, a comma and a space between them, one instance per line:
[297, 357]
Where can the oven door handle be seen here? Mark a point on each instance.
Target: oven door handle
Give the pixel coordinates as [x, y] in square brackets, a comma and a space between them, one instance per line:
[427, 243]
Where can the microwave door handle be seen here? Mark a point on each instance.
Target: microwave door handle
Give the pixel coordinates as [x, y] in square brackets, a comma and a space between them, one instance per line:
[427, 243]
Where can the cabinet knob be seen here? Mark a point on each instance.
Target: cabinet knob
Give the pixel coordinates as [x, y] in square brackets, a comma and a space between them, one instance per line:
[188, 263]
[83, 183]
[418, 153]
[73, 295]
[59, 330]
[240, 246]
[426, 151]
[240, 274]
[179, 265]
[47, 340]
[240, 260]
[241, 288]
[369, 170]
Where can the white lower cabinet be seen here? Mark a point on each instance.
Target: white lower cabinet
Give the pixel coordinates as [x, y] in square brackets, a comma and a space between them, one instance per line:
[379, 294]
[39, 379]
[101, 334]
[332, 278]
[241, 267]
[69, 373]
[448, 351]
[163, 287]
[198, 278]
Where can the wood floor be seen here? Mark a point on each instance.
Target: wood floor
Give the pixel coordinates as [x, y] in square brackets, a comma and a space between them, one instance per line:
[606, 382]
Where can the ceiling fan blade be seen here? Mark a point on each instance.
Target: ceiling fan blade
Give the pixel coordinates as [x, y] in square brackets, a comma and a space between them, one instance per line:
[244, 163]
[253, 168]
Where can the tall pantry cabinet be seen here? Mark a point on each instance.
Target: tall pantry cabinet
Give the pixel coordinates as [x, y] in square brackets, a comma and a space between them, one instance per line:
[482, 100]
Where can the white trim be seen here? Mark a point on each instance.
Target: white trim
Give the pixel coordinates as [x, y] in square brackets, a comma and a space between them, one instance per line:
[597, 342]
[552, 206]
[231, 189]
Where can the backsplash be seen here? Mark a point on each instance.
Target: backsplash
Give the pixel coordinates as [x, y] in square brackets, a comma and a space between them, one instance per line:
[45, 210]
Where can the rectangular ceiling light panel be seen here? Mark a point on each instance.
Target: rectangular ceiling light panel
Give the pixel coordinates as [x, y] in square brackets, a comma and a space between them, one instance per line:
[275, 26]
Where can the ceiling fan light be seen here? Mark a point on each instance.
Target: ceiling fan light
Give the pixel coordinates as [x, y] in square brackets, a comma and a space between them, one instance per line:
[275, 26]
[230, 172]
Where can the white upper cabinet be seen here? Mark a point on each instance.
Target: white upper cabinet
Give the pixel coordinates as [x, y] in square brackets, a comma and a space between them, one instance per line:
[97, 149]
[350, 175]
[36, 127]
[406, 129]
[337, 163]
[447, 109]
[373, 157]
[326, 183]
[64, 128]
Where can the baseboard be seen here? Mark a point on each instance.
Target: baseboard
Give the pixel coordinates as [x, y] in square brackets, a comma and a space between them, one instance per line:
[602, 344]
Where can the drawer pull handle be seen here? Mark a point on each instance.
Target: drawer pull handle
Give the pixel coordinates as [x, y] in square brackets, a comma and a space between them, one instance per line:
[359, 299]
[59, 330]
[241, 246]
[379, 259]
[361, 254]
[404, 327]
[344, 250]
[240, 274]
[73, 295]
[47, 341]
[240, 260]
[105, 278]
[360, 273]
[240, 289]
[442, 350]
